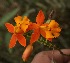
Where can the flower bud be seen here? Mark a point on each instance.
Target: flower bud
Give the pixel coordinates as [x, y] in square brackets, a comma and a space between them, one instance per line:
[27, 52]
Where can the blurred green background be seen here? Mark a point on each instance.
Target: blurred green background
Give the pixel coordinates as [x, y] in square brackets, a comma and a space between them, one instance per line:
[11, 8]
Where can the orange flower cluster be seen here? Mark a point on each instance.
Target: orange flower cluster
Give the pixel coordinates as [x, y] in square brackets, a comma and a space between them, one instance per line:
[18, 30]
[47, 30]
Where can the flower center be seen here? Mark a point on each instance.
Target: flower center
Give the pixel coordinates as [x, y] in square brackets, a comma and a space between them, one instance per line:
[45, 28]
[17, 29]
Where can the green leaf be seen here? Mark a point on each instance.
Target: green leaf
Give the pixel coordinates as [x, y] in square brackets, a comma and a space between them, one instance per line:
[7, 40]
[48, 21]
[0, 42]
[41, 5]
[8, 16]
[28, 12]
[35, 1]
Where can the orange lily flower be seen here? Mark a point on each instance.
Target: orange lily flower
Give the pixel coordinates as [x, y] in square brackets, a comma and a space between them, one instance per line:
[18, 30]
[47, 30]
[37, 27]
[52, 31]
[23, 22]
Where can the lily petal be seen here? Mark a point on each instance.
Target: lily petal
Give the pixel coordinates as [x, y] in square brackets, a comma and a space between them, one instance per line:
[18, 19]
[35, 36]
[43, 33]
[12, 41]
[25, 23]
[30, 27]
[33, 26]
[40, 17]
[53, 24]
[10, 27]
[49, 34]
[56, 29]
[21, 39]
[56, 34]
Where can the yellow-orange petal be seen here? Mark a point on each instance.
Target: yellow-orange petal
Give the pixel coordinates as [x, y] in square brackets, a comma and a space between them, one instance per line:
[17, 29]
[53, 24]
[25, 23]
[18, 19]
[10, 27]
[25, 19]
[24, 27]
[56, 34]
[58, 29]
[40, 17]
[12, 41]
[49, 34]
[27, 52]
[35, 36]
[21, 39]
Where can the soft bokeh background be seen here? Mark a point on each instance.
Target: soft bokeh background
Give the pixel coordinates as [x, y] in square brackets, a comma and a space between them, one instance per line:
[11, 8]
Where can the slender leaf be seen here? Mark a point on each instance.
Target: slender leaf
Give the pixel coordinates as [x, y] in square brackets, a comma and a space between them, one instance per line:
[7, 39]
[8, 16]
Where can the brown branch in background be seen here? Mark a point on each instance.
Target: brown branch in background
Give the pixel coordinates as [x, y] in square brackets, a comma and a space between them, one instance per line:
[51, 14]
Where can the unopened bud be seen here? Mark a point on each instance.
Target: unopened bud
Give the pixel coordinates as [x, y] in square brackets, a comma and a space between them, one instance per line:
[27, 52]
